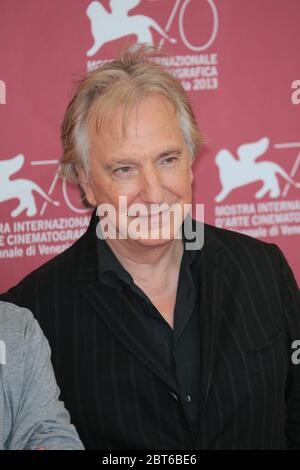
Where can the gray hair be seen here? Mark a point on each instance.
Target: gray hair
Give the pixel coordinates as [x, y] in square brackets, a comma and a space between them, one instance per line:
[124, 81]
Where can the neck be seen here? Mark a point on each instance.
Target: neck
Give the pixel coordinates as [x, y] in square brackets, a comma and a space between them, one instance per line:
[144, 262]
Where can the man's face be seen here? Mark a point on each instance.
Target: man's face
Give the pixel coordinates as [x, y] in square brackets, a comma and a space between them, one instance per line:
[149, 165]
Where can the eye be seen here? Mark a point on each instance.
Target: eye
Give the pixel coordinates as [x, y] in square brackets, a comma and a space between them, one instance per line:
[169, 161]
[124, 171]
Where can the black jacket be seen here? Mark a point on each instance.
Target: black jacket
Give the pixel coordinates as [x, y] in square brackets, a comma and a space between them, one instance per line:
[115, 384]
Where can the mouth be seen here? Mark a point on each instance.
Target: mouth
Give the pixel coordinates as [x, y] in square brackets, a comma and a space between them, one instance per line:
[155, 218]
[152, 213]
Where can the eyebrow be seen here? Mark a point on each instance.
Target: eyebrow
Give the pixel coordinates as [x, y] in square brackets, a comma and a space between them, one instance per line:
[131, 161]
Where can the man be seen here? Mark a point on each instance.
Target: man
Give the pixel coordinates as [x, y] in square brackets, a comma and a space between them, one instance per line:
[155, 345]
[31, 416]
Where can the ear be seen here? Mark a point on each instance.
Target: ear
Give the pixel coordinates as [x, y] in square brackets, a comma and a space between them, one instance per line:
[86, 185]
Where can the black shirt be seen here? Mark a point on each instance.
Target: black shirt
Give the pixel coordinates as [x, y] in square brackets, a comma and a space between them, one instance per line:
[180, 345]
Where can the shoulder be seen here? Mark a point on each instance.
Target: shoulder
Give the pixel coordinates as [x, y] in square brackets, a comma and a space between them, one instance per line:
[44, 279]
[18, 325]
[257, 279]
[61, 268]
[57, 274]
[249, 256]
[19, 330]
[67, 260]
[237, 244]
[14, 320]
[47, 290]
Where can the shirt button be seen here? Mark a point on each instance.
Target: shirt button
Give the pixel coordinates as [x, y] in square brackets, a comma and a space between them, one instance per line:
[174, 395]
[188, 399]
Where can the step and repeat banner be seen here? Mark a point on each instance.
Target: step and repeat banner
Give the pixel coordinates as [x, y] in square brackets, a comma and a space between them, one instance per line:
[239, 61]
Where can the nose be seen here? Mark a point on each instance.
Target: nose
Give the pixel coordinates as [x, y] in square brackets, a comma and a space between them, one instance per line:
[152, 190]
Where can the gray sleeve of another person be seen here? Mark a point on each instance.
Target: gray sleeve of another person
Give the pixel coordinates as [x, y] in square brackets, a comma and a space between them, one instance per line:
[31, 414]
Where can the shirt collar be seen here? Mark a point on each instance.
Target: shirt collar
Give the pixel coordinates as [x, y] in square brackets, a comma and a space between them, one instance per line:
[111, 271]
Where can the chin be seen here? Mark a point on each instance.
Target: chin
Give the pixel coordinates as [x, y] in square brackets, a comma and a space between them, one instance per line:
[153, 242]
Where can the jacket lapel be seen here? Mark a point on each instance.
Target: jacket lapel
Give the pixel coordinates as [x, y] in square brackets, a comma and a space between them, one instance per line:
[122, 318]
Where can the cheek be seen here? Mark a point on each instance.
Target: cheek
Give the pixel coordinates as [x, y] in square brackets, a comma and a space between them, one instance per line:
[106, 190]
[181, 181]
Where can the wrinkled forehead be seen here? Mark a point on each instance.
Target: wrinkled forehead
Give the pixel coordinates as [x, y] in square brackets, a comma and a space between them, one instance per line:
[114, 114]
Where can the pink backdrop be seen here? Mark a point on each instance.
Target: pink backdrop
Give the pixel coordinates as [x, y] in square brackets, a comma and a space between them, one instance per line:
[239, 61]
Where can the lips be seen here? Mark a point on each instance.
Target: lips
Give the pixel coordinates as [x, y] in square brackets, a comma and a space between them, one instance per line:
[154, 221]
[155, 215]
[151, 213]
